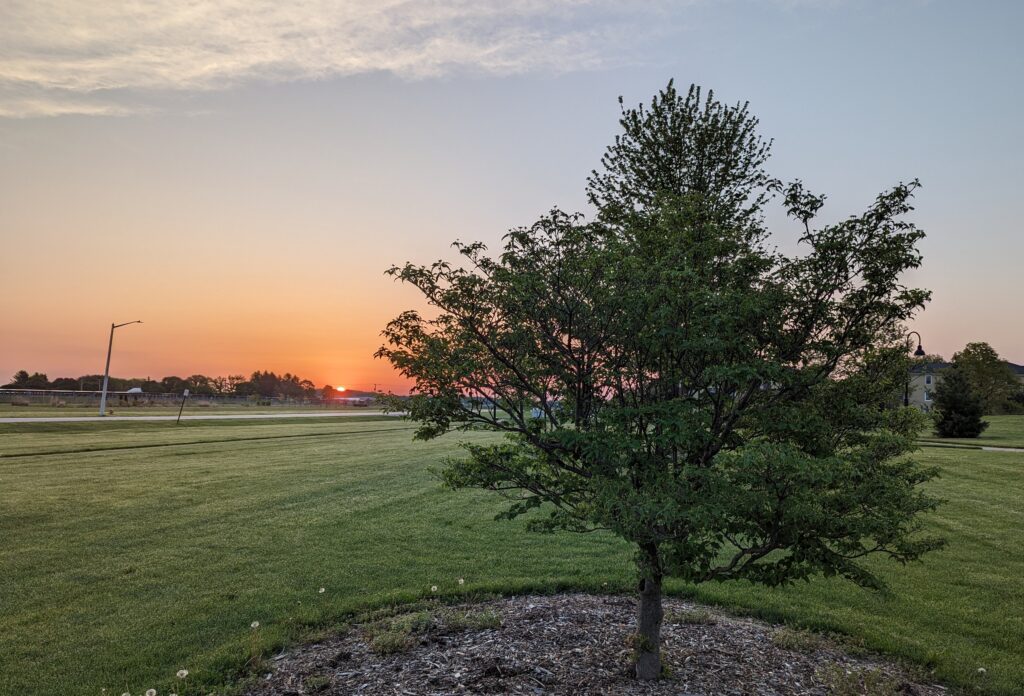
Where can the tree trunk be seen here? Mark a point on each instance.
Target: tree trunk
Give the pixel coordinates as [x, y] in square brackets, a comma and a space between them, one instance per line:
[648, 630]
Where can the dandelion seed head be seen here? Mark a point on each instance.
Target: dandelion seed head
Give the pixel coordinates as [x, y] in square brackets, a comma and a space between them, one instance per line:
[150, 692]
[982, 671]
[433, 588]
[182, 673]
[322, 590]
[462, 581]
[254, 624]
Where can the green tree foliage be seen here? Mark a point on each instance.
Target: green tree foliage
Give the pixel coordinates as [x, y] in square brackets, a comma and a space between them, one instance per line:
[267, 384]
[958, 407]
[662, 373]
[23, 380]
[990, 377]
[200, 385]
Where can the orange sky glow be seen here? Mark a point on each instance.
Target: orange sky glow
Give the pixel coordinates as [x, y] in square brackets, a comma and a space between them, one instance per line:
[245, 197]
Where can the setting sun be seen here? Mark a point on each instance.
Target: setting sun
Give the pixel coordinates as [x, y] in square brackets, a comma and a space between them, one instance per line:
[341, 389]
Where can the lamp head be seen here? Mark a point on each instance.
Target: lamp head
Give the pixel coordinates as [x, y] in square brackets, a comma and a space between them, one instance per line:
[919, 352]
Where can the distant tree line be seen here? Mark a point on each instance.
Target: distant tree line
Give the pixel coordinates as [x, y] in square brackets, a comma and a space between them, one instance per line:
[986, 375]
[258, 384]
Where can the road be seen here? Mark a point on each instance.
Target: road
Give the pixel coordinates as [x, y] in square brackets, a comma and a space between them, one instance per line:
[208, 416]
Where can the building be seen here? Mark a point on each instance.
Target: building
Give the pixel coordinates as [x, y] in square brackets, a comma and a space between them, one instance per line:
[924, 377]
[921, 385]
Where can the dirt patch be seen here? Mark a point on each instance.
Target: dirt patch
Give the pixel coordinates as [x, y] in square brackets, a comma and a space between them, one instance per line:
[576, 644]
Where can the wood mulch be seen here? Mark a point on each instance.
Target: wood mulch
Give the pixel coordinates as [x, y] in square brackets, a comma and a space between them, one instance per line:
[577, 644]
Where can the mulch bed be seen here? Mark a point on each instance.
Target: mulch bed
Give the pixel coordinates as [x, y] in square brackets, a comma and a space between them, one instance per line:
[578, 644]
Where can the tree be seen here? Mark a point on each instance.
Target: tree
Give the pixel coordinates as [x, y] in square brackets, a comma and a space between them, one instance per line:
[23, 380]
[219, 385]
[990, 377]
[958, 407]
[661, 373]
[200, 385]
[66, 383]
[173, 385]
[238, 385]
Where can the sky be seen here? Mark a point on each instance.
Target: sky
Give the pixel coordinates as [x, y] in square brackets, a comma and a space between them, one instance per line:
[239, 175]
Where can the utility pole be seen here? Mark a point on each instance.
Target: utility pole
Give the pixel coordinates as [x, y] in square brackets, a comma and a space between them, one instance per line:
[106, 370]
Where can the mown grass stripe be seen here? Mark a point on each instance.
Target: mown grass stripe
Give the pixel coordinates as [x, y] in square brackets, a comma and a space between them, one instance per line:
[86, 450]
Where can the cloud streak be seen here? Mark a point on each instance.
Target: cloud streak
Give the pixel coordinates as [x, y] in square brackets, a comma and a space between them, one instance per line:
[74, 56]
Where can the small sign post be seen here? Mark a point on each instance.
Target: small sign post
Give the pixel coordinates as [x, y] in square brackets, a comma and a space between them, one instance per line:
[183, 397]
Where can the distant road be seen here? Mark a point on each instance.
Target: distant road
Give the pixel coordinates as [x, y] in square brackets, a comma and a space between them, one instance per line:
[210, 416]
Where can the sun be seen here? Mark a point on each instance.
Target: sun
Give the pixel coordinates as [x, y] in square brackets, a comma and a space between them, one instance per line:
[341, 389]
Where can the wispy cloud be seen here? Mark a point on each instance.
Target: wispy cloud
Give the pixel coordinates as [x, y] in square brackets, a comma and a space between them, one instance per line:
[83, 56]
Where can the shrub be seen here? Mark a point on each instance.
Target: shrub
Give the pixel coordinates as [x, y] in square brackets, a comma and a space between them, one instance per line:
[958, 407]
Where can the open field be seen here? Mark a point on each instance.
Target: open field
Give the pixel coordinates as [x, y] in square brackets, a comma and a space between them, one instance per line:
[132, 550]
[1002, 431]
[45, 411]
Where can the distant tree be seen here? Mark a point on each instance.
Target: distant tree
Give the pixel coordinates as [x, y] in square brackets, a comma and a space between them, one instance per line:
[23, 380]
[266, 384]
[20, 377]
[173, 385]
[90, 382]
[290, 386]
[200, 385]
[990, 377]
[1016, 401]
[664, 374]
[69, 383]
[38, 380]
[309, 390]
[958, 408]
[238, 385]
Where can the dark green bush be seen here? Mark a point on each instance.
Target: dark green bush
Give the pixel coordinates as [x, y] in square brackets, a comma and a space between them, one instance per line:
[958, 407]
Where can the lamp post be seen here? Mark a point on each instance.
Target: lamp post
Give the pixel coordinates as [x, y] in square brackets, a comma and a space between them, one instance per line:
[106, 370]
[919, 353]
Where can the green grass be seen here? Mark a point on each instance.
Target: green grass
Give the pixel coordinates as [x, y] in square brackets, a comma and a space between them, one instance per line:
[191, 409]
[121, 565]
[1002, 431]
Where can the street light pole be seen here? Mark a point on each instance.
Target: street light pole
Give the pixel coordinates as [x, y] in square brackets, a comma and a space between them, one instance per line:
[917, 354]
[106, 370]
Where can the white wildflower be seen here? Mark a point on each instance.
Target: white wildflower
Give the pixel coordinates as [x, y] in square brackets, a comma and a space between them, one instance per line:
[322, 590]
[182, 673]
[254, 624]
[982, 671]
[462, 581]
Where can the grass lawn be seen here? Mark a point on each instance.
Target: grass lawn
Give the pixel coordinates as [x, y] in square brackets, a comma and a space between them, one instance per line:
[1002, 431]
[121, 565]
[191, 409]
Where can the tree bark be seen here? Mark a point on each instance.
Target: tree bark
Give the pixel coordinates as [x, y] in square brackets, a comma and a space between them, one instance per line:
[648, 629]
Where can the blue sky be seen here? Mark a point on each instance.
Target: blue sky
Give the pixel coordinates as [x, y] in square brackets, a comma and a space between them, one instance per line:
[248, 170]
